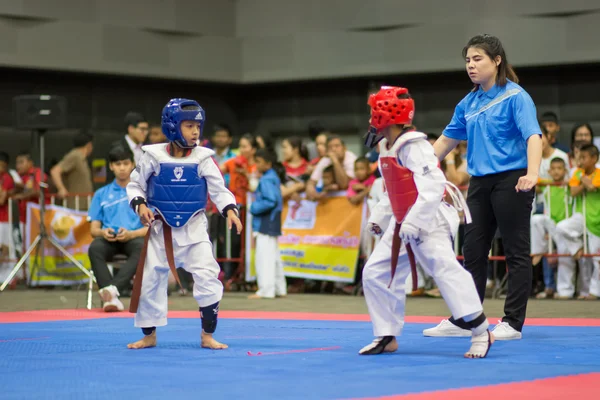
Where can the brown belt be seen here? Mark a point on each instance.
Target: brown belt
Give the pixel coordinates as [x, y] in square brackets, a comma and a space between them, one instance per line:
[396, 243]
[139, 272]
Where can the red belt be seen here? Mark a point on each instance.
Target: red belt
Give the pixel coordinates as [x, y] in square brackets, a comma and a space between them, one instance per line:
[396, 244]
[139, 273]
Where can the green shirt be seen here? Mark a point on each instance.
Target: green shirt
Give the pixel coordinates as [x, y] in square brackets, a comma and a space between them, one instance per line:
[558, 202]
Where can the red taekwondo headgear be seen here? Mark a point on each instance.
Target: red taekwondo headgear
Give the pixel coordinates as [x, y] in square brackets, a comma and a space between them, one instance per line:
[392, 105]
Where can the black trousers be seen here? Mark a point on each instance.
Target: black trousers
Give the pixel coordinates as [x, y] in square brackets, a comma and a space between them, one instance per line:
[102, 251]
[494, 203]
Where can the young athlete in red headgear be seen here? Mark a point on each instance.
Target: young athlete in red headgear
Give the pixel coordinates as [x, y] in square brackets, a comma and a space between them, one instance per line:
[417, 226]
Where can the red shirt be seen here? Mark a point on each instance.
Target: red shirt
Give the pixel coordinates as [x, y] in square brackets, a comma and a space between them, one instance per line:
[296, 171]
[31, 181]
[7, 183]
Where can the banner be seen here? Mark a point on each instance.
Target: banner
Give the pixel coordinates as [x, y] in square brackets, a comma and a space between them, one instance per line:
[320, 240]
[71, 230]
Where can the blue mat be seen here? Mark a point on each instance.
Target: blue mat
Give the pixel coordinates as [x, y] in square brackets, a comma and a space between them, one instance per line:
[89, 359]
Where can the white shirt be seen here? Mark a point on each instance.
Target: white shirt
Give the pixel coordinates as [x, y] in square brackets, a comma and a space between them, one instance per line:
[375, 194]
[348, 164]
[196, 230]
[545, 164]
[136, 149]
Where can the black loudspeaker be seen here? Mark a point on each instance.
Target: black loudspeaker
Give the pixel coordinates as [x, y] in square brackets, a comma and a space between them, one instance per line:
[40, 112]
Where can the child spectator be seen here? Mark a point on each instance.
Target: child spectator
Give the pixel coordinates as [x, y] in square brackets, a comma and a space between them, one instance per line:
[584, 186]
[6, 187]
[543, 226]
[359, 187]
[266, 224]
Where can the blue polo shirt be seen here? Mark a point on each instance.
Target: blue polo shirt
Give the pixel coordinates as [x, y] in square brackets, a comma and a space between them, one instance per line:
[497, 124]
[110, 206]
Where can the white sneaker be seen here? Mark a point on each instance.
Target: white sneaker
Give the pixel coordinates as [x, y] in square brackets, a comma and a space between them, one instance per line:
[114, 305]
[503, 331]
[447, 329]
[110, 299]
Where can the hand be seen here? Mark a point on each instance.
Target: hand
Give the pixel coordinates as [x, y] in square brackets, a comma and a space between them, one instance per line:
[331, 188]
[296, 197]
[587, 182]
[232, 219]
[358, 187]
[526, 183]
[62, 193]
[375, 229]
[124, 235]
[409, 232]
[109, 235]
[146, 215]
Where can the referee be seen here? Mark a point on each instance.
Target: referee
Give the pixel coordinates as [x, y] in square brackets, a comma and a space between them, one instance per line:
[498, 118]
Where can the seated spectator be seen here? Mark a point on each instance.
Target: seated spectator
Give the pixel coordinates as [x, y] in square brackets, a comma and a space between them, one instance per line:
[557, 208]
[116, 230]
[584, 185]
[73, 174]
[342, 162]
[359, 187]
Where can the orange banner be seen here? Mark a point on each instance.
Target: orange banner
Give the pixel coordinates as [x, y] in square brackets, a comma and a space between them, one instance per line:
[71, 230]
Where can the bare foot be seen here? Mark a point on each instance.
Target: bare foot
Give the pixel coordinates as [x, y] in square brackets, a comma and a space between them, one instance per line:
[281, 296]
[254, 297]
[375, 347]
[147, 341]
[208, 342]
[480, 345]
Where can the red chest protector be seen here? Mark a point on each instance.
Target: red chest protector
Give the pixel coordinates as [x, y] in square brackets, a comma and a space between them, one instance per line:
[400, 186]
[399, 182]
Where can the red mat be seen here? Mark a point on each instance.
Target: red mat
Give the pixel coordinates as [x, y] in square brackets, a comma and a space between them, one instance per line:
[560, 388]
[82, 314]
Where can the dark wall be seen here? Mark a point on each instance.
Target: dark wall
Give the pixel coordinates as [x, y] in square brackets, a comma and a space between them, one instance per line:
[98, 103]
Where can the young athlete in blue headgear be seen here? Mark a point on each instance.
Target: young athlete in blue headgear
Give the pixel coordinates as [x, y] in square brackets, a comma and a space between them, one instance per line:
[168, 190]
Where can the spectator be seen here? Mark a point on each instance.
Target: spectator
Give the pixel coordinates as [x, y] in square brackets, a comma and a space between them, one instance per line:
[297, 168]
[266, 225]
[242, 171]
[116, 229]
[549, 121]
[574, 156]
[549, 153]
[221, 144]
[155, 136]
[315, 131]
[137, 131]
[543, 226]
[342, 161]
[327, 183]
[321, 148]
[584, 186]
[359, 187]
[73, 175]
[7, 185]
[265, 141]
[582, 132]
[29, 191]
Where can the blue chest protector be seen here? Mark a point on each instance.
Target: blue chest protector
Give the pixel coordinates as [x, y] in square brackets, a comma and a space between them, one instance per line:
[177, 192]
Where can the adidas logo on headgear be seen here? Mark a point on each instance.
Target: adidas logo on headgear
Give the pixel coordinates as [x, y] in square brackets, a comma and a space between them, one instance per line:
[199, 115]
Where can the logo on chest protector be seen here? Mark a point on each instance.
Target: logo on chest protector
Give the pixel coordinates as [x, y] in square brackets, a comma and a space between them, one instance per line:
[178, 172]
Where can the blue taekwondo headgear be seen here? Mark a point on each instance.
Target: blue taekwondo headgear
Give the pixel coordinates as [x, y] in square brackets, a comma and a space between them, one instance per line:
[173, 115]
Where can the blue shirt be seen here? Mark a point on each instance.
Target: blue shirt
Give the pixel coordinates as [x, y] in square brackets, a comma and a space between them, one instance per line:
[110, 206]
[497, 124]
